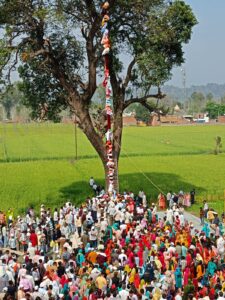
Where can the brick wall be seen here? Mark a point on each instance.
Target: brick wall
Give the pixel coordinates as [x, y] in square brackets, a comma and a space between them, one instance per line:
[129, 121]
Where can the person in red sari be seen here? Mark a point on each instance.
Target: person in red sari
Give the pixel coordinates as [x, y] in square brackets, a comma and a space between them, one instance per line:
[188, 259]
[177, 223]
[199, 248]
[63, 280]
[146, 241]
[33, 239]
[162, 260]
[140, 256]
[137, 280]
[131, 260]
[108, 251]
[206, 255]
[195, 283]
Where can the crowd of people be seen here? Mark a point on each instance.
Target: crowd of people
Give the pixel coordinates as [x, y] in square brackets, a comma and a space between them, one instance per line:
[111, 247]
[168, 200]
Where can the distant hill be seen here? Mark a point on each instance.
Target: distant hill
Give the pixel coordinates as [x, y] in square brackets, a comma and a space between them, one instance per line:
[218, 90]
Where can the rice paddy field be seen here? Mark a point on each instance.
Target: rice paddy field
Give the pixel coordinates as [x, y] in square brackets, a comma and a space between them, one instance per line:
[38, 165]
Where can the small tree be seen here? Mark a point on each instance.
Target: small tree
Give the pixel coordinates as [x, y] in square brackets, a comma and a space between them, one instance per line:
[10, 98]
[215, 109]
[142, 114]
[197, 102]
[218, 146]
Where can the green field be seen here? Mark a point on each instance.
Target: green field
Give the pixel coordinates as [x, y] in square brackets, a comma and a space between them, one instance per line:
[37, 163]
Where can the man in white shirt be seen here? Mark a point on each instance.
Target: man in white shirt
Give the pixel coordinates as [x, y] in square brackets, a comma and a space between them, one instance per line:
[95, 273]
[93, 234]
[56, 216]
[123, 294]
[205, 208]
[168, 197]
[122, 257]
[22, 272]
[169, 216]
[91, 182]
[118, 215]
[181, 217]
[10, 274]
[220, 246]
[178, 295]
[144, 200]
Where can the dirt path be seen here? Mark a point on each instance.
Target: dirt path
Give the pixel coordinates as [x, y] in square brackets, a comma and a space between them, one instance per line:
[191, 218]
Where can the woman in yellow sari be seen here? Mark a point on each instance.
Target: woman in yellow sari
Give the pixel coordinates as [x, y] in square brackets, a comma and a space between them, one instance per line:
[157, 294]
[132, 275]
[199, 270]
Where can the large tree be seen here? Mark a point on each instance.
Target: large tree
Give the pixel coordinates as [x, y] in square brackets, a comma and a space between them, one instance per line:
[57, 45]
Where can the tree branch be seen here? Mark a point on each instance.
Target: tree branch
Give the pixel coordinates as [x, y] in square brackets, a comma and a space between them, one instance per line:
[128, 76]
[143, 100]
[91, 50]
[37, 53]
[149, 107]
[12, 67]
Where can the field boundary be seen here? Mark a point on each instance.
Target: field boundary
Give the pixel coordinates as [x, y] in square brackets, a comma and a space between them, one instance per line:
[93, 156]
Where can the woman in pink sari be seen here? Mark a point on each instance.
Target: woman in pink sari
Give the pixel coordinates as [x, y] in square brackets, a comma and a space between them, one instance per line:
[186, 275]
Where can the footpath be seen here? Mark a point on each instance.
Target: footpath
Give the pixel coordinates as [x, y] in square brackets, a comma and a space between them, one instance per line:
[191, 218]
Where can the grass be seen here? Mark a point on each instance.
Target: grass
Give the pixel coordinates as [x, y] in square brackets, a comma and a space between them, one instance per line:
[37, 163]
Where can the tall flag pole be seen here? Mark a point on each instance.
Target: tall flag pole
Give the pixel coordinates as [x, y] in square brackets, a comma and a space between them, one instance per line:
[108, 91]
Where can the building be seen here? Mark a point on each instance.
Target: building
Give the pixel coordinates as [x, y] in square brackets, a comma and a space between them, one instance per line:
[129, 119]
[168, 119]
[221, 119]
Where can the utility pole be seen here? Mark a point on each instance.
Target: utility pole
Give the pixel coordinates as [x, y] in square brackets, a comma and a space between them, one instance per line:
[75, 135]
[183, 72]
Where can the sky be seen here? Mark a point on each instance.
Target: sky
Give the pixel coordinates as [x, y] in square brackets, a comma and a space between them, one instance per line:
[205, 53]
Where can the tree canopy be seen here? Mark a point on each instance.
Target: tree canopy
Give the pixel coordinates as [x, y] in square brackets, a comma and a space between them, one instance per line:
[215, 109]
[57, 44]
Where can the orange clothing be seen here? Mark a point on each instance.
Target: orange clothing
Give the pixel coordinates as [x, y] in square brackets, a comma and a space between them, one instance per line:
[92, 256]
[199, 271]
[162, 201]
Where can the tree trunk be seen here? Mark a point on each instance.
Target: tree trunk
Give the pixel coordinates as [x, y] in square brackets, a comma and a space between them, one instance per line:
[88, 129]
[117, 141]
[98, 143]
